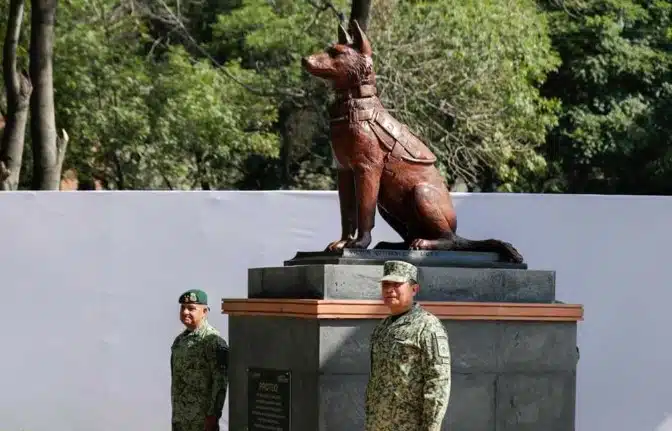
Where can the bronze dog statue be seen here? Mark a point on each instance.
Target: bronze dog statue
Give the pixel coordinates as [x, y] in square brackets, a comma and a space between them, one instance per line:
[380, 162]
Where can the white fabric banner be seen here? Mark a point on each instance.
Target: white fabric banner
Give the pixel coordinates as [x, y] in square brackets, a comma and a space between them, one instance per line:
[90, 281]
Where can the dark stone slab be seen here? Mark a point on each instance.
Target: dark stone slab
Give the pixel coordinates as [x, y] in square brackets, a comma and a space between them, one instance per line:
[476, 346]
[281, 343]
[472, 403]
[436, 283]
[461, 259]
[535, 347]
[342, 402]
[533, 402]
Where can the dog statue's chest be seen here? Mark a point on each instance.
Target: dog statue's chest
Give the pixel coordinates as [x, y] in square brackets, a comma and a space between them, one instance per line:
[347, 142]
[351, 136]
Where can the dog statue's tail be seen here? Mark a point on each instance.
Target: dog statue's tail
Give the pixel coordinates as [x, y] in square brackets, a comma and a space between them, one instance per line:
[505, 250]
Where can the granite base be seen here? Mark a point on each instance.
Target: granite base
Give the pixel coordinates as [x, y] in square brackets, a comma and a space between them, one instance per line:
[506, 375]
[513, 369]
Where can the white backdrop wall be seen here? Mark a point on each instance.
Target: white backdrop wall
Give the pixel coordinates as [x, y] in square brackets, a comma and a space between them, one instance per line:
[89, 284]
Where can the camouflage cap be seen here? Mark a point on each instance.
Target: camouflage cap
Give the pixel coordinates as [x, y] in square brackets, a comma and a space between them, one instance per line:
[399, 271]
[194, 296]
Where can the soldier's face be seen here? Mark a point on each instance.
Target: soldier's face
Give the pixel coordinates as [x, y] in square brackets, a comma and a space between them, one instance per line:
[192, 315]
[398, 296]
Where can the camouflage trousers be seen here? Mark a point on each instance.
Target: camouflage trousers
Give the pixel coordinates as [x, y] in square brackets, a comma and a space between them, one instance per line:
[200, 426]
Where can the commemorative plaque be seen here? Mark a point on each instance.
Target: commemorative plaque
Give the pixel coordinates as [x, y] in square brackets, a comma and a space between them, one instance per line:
[268, 399]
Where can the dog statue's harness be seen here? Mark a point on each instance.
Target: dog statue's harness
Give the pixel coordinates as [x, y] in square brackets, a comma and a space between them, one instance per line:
[394, 135]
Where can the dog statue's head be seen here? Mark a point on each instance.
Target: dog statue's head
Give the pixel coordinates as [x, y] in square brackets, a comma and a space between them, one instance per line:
[347, 63]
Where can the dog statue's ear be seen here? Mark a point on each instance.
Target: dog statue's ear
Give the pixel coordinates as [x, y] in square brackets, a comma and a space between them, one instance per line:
[343, 36]
[361, 42]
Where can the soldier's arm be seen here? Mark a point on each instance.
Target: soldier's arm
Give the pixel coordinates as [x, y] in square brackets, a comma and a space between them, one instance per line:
[218, 360]
[436, 370]
[368, 394]
[172, 366]
[172, 357]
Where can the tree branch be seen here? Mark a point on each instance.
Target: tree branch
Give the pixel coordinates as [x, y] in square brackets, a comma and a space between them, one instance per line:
[360, 12]
[18, 92]
[328, 5]
[172, 19]
[61, 150]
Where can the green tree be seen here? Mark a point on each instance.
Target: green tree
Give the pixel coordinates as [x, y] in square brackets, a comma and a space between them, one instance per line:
[615, 84]
[208, 122]
[484, 126]
[465, 77]
[270, 39]
[143, 118]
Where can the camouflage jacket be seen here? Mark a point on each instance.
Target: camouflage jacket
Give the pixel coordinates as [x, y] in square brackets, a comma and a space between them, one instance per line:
[409, 386]
[198, 366]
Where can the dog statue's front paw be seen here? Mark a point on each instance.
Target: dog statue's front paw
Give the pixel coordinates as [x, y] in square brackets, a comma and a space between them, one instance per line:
[337, 245]
[419, 244]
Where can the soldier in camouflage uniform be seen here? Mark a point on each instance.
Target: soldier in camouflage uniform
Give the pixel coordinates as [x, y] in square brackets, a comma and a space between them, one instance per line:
[409, 386]
[198, 365]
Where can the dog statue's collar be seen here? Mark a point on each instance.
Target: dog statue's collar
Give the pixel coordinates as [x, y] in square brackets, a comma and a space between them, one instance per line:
[358, 92]
[357, 116]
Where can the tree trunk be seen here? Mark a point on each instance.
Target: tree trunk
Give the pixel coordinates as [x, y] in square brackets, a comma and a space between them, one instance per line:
[360, 11]
[48, 150]
[18, 98]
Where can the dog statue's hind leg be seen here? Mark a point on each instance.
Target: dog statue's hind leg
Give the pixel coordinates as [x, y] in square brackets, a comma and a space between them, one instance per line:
[398, 226]
[440, 226]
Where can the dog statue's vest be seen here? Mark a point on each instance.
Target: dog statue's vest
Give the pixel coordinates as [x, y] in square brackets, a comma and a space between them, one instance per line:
[393, 135]
[400, 141]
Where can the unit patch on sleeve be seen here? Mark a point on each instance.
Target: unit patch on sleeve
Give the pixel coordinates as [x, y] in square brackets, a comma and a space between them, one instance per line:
[441, 347]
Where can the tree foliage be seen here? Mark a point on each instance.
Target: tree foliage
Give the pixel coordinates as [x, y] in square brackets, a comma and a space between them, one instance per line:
[512, 95]
[615, 83]
[157, 119]
[465, 75]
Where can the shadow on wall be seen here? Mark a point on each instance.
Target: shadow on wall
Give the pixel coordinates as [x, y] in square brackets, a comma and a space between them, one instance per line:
[159, 243]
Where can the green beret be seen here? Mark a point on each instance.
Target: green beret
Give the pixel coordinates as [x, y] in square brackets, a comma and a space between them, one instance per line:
[399, 271]
[194, 296]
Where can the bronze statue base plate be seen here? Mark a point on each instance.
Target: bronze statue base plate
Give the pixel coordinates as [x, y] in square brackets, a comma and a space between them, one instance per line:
[459, 259]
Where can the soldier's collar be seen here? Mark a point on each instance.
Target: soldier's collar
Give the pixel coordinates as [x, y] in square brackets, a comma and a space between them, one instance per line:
[415, 306]
[199, 329]
[411, 310]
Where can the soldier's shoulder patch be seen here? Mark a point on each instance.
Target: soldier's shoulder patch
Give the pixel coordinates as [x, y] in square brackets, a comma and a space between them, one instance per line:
[441, 347]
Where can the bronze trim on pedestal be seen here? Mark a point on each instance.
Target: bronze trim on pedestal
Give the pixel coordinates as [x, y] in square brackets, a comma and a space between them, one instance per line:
[370, 309]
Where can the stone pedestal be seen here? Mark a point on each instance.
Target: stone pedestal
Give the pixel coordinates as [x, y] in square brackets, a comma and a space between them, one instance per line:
[300, 346]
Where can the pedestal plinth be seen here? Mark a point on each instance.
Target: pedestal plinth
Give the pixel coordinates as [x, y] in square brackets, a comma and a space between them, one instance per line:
[301, 362]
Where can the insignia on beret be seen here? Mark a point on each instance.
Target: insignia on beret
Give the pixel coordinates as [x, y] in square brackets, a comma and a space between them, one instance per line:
[194, 296]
